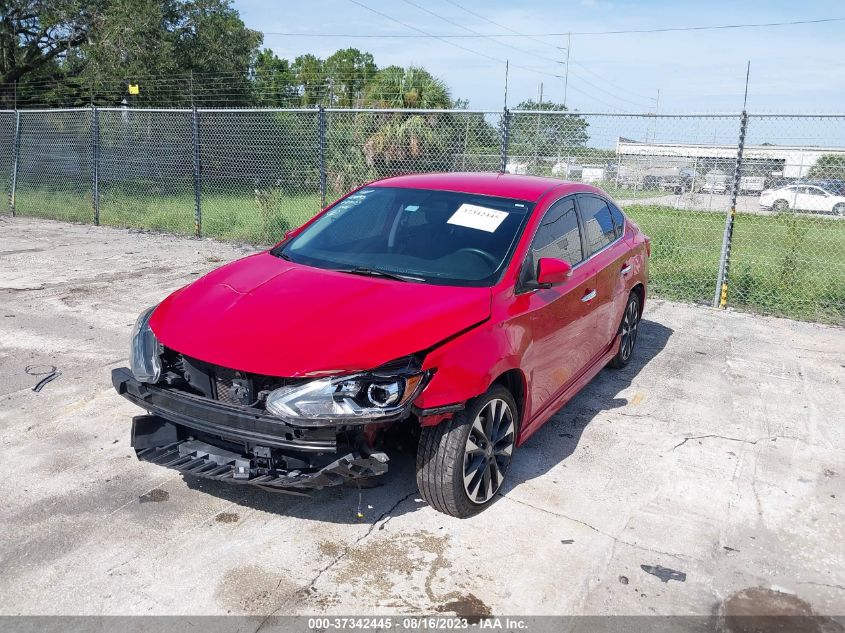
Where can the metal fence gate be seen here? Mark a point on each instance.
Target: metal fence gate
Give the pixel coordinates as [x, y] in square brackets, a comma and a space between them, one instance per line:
[744, 210]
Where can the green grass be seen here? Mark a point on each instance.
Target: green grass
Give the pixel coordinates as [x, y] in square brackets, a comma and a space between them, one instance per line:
[225, 216]
[625, 193]
[786, 265]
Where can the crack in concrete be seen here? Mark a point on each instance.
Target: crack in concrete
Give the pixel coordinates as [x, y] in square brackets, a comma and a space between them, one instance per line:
[615, 539]
[387, 515]
[732, 439]
[823, 584]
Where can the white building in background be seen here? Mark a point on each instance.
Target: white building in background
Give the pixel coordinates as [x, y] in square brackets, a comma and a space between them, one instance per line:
[783, 160]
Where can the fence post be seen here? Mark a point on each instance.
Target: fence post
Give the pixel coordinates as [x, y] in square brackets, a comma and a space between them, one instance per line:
[720, 300]
[95, 162]
[16, 150]
[321, 152]
[506, 124]
[197, 172]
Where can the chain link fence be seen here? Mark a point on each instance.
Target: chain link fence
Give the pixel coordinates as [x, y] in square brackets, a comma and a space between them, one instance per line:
[746, 211]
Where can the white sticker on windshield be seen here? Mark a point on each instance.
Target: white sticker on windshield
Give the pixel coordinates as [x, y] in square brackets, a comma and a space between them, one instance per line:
[474, 217]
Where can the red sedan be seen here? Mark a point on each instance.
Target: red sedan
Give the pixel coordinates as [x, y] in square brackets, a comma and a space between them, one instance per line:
[467, 307]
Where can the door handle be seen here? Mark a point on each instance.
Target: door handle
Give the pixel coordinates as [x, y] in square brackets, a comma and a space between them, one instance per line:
[626, 269]
[589, 296]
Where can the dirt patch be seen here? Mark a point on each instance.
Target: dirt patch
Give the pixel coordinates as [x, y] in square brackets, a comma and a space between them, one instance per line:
[761, 610]
[379, 566]
[227, 517]
[467, 606]
[156, 495]
[330, 549]
[253, 589]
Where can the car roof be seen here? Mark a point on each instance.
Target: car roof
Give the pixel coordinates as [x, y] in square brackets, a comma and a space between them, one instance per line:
[519, 187]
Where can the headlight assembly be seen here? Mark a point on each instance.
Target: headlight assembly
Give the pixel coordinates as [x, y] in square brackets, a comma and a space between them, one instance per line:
[145, 354]
[355, 399]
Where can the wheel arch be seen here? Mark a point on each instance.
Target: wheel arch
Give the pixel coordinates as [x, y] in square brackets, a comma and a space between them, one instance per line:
[514, 381]
[640, 290]
[468, 366]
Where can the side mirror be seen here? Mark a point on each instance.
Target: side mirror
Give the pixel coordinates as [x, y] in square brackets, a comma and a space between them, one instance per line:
[552, 272]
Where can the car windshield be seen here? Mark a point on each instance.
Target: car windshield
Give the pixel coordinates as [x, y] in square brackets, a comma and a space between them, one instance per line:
[421, 235]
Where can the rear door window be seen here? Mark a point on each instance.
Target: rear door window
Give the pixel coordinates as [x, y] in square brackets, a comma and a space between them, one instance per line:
[618, 220]
[599, 229]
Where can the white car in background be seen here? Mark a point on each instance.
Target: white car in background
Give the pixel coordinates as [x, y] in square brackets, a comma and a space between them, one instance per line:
[802, 198]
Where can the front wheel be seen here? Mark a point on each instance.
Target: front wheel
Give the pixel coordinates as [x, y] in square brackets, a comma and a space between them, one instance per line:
[780, 206]
[462, 462]
[628, 329]
[839, 209]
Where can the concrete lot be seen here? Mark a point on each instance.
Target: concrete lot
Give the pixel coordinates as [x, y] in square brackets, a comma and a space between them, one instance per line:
[717, 453]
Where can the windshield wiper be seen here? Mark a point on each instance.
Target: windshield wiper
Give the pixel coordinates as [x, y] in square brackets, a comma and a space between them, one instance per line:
[375, 272]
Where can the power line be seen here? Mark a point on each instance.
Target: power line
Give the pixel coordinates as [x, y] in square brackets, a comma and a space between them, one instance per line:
[716, 27]
[536, 39]
[475, 52]
[474, 32]
[445, 41]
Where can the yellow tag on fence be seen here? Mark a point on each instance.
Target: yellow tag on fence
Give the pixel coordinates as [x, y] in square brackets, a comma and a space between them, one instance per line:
[134, 89]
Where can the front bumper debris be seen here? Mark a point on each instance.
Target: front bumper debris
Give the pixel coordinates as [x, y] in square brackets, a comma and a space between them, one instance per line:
[200, 459]
[240, 445]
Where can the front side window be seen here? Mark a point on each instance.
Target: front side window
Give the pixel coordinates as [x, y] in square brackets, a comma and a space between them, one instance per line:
[598, 223]
[558, 235]
[432, 236]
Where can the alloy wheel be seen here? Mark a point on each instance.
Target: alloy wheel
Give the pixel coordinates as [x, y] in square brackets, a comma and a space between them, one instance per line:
[630, 325]
[488, 451]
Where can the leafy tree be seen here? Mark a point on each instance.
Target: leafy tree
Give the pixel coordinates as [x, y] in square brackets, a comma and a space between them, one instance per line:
[347, 72]
[274, 81]
[310, 73]
[35, 34]
[92, 48]
[546, 135]
[828, 166]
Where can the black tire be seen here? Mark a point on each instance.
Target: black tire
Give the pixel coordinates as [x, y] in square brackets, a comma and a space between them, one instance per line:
[445, 454]
[780, 206]
[628, 330]
[839, 209]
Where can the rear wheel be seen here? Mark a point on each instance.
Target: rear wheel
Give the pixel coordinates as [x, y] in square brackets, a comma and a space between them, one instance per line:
[780, 206]
[461, 463]
[628, 330]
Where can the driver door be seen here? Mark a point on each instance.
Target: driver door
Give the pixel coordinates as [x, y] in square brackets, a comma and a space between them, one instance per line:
[562, 318]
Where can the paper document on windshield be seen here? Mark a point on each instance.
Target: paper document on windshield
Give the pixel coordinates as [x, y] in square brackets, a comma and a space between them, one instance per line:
[473, 216]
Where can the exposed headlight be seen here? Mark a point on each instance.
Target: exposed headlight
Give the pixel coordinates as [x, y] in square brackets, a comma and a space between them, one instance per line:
[145, 354]
[355, 399]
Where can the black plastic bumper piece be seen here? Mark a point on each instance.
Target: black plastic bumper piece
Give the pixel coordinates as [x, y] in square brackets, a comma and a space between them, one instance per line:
[161, 442]
[251, 426]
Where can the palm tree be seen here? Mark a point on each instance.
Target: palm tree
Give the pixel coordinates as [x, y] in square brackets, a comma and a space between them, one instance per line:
[396, 142]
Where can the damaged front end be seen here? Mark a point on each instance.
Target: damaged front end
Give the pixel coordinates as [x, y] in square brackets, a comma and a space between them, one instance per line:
[286, 434]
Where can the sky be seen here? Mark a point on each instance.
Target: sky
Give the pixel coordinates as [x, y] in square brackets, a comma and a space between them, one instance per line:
[793, 68]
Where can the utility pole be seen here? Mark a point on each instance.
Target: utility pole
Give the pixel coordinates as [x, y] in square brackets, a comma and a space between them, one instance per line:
[656, 112]
[566, 73]
[537, 133]
[506, 84]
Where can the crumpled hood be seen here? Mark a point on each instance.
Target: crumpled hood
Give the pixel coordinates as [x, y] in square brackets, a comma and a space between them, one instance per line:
[265, 315]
